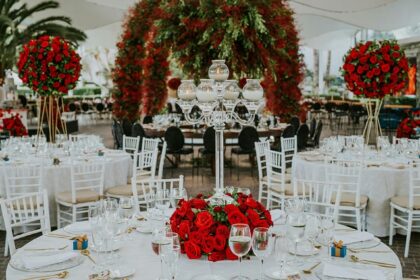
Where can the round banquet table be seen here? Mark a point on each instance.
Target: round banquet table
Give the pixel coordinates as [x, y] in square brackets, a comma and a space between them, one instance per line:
[152, 131]
[379, 183]
[56, 178]
[137, 253]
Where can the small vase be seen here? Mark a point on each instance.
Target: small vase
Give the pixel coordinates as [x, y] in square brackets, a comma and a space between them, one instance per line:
[252, 90]
[187, 90]
[232, 90]
[205, 91]
[218, 70]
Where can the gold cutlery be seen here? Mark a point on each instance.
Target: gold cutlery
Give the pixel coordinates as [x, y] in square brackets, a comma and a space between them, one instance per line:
[309, 271]
[56, 235]
[364, 261]
[367, 251]
[60, 275]
[87, 254]
[45, 249]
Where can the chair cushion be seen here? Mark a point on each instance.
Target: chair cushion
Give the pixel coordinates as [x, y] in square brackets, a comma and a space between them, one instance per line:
[276, 178]
[403, 202]
[141, 177]
[288, 189]
[124, 190]
[82, 196]
[348, 199]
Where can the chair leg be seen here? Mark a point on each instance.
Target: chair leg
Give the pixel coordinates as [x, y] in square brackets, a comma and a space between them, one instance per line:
[260, 191]
[358, 220]
[6, 246]
[74, 214]
[407, 240]
[58, 217]
[391, 226]
[237, 166]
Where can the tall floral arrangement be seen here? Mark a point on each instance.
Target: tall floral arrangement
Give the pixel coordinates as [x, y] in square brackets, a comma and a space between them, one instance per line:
[12, 122]
[51, 67]
[256, 38]
[204, 228]
[374, 69]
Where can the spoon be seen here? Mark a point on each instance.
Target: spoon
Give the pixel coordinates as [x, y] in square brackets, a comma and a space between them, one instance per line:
[87, 254]
[382, 264]
[60, 275]
[309, 271]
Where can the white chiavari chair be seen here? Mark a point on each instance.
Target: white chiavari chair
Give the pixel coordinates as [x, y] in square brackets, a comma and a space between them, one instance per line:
[260, 148]
[151, 145]
[87, 187]
[78, 137]
[169, 188]
[143, 166]
[131, 144]
[407, 215]
[28, 210]
[277, 187]
[319, 196]
[162, 160]
[346, 175]
[288, 151]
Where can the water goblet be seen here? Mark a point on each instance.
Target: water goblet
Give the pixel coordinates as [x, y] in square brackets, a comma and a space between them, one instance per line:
[295, 225]
[240, 244]
[170, 253]
[261, 246]
[159, 241]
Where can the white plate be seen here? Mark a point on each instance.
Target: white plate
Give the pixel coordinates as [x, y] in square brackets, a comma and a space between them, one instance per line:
[122, 271]
[115, 246]
[304, 250]
[17, 264]
[274, 273]
[78, 228]
[368, 244]
[144, 229]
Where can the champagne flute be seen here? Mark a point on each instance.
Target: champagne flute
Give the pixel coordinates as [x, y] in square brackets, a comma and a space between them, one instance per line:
[261, 246]
[170, 253]
[240, 244]
[126, 212]
[295, 230]
[312, 228]
[327, 229]
[159, 241]
[281, 253]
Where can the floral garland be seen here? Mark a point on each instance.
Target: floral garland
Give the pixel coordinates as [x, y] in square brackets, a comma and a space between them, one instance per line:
[13, 123]
[256, 39]
[375, 68]
[204, 228]
[49, 65]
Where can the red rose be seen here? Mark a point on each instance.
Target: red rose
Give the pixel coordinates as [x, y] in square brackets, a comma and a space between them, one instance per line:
[192, 250]
[385, 68]
[237, 217]
[395, 54]
[360, 70]
[185, 207]
[350, 68]
[363, 59]
[373, 59]
[204, 220]
[376, 71]
[208, 244]
[395, 70]
[229, 255]
[218, 209]
[184, 230]
[196, 236]
[217, 256]
[223, 231]
[363, 48]
[369, 74]
[253, 217]
[396, 48]
[219, 242]
[230, 208]
[45, 44]
[56, 85]
[58, 58]
[250, 202]
[198, 203]
[262, 223]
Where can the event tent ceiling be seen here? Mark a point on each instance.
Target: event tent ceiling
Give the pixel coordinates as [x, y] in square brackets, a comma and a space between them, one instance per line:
[322, 23]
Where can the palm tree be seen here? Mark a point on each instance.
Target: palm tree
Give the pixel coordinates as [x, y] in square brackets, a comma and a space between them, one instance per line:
[14, 31]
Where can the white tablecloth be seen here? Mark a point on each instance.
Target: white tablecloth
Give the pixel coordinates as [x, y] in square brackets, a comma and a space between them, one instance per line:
[118, 168]
[138, 254]
[378, 183]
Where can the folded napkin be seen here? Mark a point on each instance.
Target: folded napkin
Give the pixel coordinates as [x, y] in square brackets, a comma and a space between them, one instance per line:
[341, 271]
[79, 227]
[353, 237]
[32, 261]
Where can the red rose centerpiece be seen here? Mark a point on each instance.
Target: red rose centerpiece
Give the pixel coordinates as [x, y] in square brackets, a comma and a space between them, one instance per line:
[51, 67]
[204, 228]
[373, 70]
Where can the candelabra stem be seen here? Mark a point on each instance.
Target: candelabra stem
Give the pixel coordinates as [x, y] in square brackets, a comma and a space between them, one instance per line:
[219, 159]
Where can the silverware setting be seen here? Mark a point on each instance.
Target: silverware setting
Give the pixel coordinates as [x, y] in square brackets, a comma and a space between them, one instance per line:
[60, 275]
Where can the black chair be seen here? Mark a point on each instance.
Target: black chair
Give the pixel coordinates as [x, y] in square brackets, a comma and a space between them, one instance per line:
[126, 127]
[148, 119]
[23, 100]
[302, 136]
[314, 142]
[175, 144]
[117, 133]
[295, 122]
[209, 149]
[100, 107]
[136, 131]
[169, 108]
[312, 128]
[288, 132]
[85, 107]
[246, 141]
[72, 107]
[316, 106]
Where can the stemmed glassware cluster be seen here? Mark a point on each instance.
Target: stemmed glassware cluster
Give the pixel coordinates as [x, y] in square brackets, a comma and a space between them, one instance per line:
[166, 245]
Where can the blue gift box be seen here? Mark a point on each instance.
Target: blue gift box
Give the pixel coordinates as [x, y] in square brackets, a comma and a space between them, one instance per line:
[339, 251]
[80, 244]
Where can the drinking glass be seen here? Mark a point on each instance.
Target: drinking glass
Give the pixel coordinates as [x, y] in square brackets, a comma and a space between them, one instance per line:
[126, 212]
[295, 225]
[170, 253]
[159, 241]
[327, 232]
[281, 253]
[312, 228]
[261, 246]
[240, 244]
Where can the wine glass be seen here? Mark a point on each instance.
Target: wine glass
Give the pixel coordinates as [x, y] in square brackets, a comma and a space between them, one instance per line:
[240, 244]
[312, 228]
[159, 241]
[170, 253]
[261, 245]
[295, 230]
[327, 232]
[281, 253]
[126, 212]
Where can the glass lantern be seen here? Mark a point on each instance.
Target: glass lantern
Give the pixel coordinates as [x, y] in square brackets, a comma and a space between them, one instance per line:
[253, 90]
[187, 90]
[205, 91]
[218, 70]
[232, 90]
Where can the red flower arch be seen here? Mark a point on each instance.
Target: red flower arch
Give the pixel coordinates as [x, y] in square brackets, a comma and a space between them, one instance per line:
[256, 38]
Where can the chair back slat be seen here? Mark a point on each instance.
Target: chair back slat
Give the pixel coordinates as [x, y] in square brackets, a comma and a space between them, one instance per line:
[87, 176]
[260, 148]
[23, 180]
[131, 144]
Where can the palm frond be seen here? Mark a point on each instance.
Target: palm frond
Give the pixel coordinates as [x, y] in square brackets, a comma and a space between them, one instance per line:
[38, 8]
